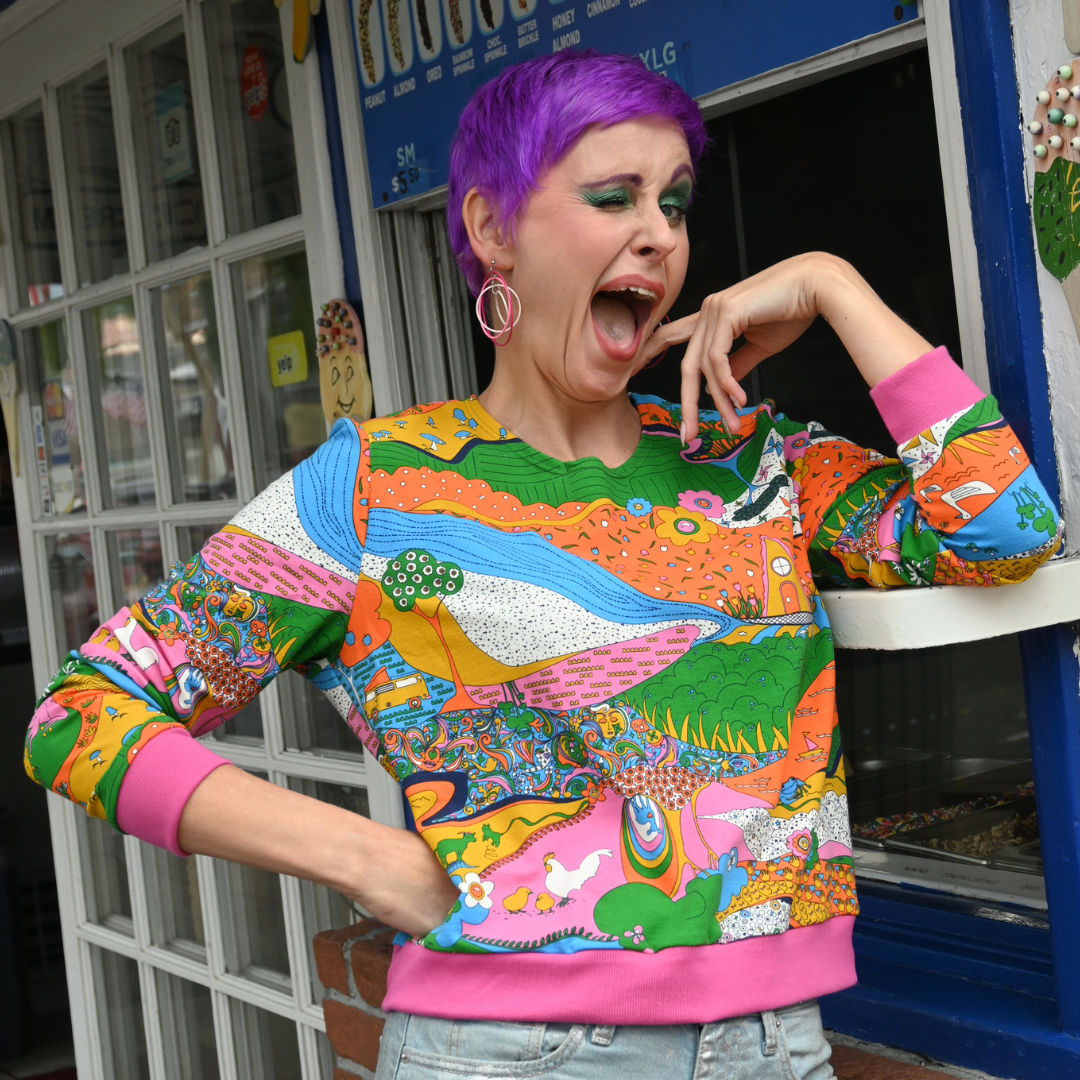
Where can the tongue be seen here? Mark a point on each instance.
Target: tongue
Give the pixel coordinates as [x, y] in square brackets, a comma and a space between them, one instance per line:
[614, 318]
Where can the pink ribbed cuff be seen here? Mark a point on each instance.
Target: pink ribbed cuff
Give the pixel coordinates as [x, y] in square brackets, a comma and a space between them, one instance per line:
[930, 389]
[696, 984]
[158, 784]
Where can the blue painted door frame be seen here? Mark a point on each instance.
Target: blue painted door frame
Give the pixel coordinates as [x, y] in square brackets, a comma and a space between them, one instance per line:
[954, 1003]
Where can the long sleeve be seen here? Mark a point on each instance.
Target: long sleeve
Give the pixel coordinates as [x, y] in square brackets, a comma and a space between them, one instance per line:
[115, 729]
[961, 504]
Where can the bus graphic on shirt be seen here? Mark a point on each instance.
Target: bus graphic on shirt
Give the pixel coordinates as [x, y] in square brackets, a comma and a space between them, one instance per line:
[384, 693]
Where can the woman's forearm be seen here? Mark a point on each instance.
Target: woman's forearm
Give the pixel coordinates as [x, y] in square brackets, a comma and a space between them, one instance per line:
[233, 815]
[878, 340]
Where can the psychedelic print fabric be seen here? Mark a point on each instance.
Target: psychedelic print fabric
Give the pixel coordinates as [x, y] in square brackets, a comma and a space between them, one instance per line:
[607, 694]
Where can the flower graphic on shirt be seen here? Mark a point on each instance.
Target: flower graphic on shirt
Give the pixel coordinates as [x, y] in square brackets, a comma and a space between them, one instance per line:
[799, 843]
[681, 526]
[704, 502]
[638, 507]
[795, 446]
[476, 892]
[637, 934]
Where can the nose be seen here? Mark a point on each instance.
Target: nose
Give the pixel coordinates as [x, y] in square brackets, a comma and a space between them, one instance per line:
[656, 239]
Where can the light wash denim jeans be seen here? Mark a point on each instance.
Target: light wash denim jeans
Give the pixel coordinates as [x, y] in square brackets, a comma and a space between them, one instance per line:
[784, 1045]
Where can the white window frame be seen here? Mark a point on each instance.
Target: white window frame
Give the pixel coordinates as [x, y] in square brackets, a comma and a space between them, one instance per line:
[316, 227]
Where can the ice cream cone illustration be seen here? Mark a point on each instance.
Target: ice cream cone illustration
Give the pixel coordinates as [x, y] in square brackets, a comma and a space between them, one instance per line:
[1056, 206]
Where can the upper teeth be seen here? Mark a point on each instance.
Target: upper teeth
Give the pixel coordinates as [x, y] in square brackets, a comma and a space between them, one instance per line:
[648, 294]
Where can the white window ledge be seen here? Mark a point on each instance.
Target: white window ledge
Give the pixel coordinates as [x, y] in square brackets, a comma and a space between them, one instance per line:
[943, 615]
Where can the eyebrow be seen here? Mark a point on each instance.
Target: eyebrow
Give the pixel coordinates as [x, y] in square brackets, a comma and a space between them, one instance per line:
[636, 180]
[683, 170]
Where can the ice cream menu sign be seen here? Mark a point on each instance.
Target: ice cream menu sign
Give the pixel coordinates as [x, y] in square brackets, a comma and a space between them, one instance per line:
[419, 61]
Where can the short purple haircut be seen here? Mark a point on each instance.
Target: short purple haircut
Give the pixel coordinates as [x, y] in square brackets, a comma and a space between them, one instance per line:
[531, 116]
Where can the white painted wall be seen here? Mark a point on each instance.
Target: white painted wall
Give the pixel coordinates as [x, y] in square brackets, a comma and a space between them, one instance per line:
[1039, 45]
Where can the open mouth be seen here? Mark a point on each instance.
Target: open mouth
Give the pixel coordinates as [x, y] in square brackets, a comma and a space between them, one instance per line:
[620, 315]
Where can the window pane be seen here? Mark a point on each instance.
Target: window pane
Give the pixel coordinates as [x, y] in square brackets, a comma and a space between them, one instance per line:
[33, 219]
[108, 898]
[175, 906]
[120, 1016]
[245, 727]
[135, 563]
[327, 1057]
[326, 909]
[93, 177]
[251, 108]
[114, 360]
[311, 722]
[196, 416]
[187, 1028]
[170, 186]
[253, 924]
[72, 588]
[61, 484]
[192, 538]
[267, 1047]
[277, 341]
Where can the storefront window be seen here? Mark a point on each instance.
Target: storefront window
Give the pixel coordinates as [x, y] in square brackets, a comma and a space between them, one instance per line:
[108, 899]
[196, 415]
[135, 563]
[277, 342]
[93, 177]
[61, 483]
[253, 924]
[266, 1044]
[254, 123]
[191, 538]
[187, 1028]
[175, 910]
[72, 588]
[166, 154]
[33, 219]
[120, 1016]
[311, 722]
[114, 360]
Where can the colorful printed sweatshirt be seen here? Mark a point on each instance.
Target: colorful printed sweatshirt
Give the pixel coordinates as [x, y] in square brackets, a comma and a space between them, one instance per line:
[607, 693]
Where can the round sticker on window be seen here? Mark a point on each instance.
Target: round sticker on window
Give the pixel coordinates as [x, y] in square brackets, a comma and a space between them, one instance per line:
[254, 83]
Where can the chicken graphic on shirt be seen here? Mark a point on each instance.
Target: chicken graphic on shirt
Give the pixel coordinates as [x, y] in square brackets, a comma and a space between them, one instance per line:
[561, 882]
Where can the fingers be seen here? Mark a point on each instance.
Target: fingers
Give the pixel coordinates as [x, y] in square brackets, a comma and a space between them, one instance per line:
[668, 334]
[707, 354]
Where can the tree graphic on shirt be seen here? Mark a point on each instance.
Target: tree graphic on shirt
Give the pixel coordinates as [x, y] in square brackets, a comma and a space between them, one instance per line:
[417, 581]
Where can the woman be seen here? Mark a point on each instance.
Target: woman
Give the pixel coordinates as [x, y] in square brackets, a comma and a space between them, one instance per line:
[549, 611]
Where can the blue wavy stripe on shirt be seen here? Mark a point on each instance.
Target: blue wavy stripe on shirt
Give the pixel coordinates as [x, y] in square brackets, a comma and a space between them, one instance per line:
[324, 486]
[122, 681]
[526, 557]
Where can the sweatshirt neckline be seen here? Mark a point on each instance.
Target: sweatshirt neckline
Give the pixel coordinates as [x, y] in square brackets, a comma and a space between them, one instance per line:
[555, 465]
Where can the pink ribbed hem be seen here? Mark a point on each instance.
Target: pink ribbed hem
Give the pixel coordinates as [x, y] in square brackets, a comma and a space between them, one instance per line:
[930, 389]
[158, 784]
[686, 985]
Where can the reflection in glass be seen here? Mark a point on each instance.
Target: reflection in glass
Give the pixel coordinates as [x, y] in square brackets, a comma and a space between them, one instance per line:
[135, 562]
[311, 722]
[277, 343]
[192, 538]
[33, 219]
[196, 417]
[120, 1016]
[72, 588]
[170, 187]
[93, 177]
[115, 366]
[61, 487]
[246, 726]
[108, 900]
[254, 924]
[267, 1046]
[175, 907]
[187, 1028]
[324, 908]
[251, 107]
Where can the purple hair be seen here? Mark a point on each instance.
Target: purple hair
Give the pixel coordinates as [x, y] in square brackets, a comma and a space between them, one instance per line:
[531, 116]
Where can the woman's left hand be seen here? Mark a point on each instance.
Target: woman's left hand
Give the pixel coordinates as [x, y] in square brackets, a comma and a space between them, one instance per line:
[771, 310]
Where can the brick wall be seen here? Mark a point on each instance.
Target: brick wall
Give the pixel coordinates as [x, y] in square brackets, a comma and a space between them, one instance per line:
[352, 966]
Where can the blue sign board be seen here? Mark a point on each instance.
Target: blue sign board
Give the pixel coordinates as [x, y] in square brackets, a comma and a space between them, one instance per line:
[419, 61]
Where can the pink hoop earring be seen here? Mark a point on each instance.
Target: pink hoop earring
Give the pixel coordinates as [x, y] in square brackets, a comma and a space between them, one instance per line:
[656, 359]
[506, 303]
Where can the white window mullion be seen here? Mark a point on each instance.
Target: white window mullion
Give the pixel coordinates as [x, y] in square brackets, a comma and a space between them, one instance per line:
[233, 380]
[103, 574]
[9, 278]
[151, 1006]
[310, 1066]
[140, 909]
[203, 107]
[153, 397]
[223, 1033]
[85, 412]
[92, 1062]
[54, 144]
[125, 153]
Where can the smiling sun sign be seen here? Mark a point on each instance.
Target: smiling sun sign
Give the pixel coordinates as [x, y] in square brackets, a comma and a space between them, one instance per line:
[344, 384]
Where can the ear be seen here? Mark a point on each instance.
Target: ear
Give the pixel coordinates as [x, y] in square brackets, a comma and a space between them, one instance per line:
[486, 237]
